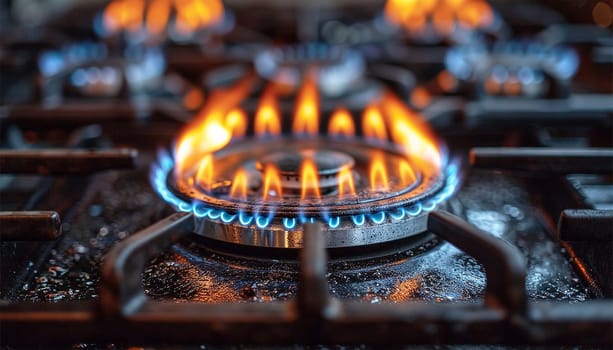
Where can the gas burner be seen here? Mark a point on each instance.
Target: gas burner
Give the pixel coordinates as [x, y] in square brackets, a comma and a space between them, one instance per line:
[369, 187]
[85, 69]
[54, 61]
[514, 68]
[431, 21]
[154, 20]
[337, 67]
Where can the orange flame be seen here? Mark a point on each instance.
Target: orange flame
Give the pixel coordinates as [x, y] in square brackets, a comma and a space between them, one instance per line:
[310, 181]
[415, 22]
[345, 182]
[154, 15]
[157, 16]
[193, 99]
[446, 81]
[272, 182]
[267, 117]
[444, 14]
[341, 123]
[443, 20]
[420, 97]
[136, 15]
[407, 174]
[195, 14]
[204, 175]
[475, 14]
[207, 132]
[492, 86]
[411, 132]
[512, 87]
[306, 116]
[397, 11]
[236, 122]
[239, 185]
[373, 125]
[378, 173]
[123, 14]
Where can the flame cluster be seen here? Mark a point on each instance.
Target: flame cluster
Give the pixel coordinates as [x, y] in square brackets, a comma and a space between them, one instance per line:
[441, 15]
[155, 15]
[385, 121]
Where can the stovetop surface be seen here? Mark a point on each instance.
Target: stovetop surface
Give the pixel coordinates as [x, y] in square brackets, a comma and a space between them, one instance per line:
[120, 203]
[519, 202]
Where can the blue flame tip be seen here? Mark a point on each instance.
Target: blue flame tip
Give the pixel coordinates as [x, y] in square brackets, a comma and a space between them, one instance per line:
[334, 222]
[358, 220]
[227, 218]
[244, 219]
[289, 223]
[262, 222]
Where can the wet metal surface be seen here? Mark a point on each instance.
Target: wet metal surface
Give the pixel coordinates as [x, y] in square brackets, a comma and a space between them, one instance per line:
[122, 204]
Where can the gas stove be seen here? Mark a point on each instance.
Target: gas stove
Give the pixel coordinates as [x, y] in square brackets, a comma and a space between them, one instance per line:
[183, 174]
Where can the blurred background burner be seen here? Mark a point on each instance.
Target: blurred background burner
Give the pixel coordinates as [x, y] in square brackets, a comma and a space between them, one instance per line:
[153, 21]
[514, 68]
[337, 68]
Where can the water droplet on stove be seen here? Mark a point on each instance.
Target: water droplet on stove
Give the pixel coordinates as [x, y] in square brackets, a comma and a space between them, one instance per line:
[95, 210]
[57, 271]
[103, 231]
[81, 249]
[56, 296]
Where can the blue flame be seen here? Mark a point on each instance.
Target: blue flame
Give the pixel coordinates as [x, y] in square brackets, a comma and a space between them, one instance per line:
[165, 164]
[334, 222]
[51, 62]
[289, 223]
[262, 222]
[529, 59]
[227, 218]
[358, 220]
[245, 219]
[397, 214]
[377, 218]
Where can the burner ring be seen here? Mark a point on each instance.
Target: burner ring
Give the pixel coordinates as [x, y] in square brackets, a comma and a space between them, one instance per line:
[276, 235]
[348, 225]
[424, 188]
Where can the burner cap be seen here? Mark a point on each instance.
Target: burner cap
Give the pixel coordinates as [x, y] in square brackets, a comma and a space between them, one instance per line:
[328, 163]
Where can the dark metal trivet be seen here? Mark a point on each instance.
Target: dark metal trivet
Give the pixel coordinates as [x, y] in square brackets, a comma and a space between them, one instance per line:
[127, 315]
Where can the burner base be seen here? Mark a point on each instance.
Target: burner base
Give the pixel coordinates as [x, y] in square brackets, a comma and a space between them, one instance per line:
[347, 234]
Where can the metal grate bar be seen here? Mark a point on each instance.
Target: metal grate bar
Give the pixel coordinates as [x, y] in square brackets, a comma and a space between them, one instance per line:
[121, 291]
[66, 161]
[30, 226]
[586, 225]
[504, 266]
[129, 317]
[544, 160]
